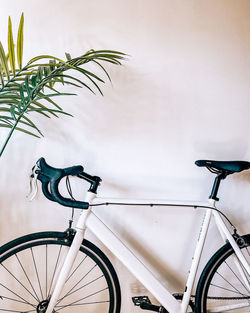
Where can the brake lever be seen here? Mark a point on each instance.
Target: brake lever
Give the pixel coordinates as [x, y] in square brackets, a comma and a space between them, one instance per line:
[33, 184]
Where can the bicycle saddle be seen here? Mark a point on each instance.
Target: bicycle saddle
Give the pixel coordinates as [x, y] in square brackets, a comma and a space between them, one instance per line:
[226, 167]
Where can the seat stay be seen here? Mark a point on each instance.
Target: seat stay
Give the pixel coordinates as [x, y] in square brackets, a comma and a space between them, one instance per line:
[225, 233]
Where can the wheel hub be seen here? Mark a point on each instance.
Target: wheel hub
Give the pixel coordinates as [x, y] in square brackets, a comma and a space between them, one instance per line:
[42, 306]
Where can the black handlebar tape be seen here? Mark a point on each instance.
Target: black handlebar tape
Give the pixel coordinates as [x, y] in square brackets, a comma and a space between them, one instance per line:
[73, 170]
[52, 172]
[65, 201]
[45, 189]
[45, 185]
[50, 175]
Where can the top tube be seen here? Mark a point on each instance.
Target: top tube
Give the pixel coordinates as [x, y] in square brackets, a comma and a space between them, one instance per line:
[98, 201]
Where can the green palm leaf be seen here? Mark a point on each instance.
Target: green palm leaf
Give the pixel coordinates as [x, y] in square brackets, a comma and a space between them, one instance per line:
[11, 48]
[20, 129]
[20, 42]
[4, 62]
[1, 74]
[33, 60]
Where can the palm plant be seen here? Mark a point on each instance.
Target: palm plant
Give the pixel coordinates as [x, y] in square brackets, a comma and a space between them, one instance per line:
[31, 87]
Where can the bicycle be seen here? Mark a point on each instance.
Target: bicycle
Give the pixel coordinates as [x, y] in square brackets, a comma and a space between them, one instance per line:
[62, 271]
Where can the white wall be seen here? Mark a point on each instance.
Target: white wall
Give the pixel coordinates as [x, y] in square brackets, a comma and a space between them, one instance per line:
[182, 95]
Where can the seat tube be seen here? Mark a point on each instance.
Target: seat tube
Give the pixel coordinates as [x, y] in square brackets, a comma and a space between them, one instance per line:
[71, 255]
[196, 260]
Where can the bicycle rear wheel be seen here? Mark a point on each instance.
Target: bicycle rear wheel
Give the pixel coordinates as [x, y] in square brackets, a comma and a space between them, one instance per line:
[30, 265]
[224, 285]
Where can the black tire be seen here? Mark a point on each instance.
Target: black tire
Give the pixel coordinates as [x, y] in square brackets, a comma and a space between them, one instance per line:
[30, 264]
[221, 282]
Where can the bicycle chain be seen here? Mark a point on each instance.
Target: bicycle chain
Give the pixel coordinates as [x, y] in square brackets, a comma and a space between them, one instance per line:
[226, 298]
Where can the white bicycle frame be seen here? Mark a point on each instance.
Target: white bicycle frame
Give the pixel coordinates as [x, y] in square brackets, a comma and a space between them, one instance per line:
[89, 220]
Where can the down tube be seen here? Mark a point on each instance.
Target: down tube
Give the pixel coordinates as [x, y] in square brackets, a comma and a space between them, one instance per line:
[135, 266]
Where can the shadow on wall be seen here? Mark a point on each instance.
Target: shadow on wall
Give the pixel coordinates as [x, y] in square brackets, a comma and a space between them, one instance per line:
[243, 176]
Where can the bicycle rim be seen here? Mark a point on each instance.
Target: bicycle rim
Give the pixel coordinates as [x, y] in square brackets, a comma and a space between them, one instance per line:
[30, 266]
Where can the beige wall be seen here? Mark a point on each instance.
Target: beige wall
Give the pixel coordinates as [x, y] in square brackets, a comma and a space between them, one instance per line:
[183, 95]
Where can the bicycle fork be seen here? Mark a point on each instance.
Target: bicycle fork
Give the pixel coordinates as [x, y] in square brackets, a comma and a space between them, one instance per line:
[70, 257]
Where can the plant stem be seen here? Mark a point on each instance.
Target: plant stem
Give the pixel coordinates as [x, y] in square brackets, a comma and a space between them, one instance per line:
[9, 135]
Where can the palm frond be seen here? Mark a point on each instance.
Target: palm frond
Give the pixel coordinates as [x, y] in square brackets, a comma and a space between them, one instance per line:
[20, 42]
[11, 48]
[4, 62]
[31, 88]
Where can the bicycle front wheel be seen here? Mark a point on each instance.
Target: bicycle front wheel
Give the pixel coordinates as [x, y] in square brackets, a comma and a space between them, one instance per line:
[224, 285]
[30, 266]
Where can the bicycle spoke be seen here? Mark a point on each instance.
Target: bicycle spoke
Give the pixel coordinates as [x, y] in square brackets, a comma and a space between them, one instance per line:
[19, 282]
[81, 304]
[229, 283]
[237, 276]
[13, 311]
[25, 273]
[70, 293]
[87, 284]
[73, 303]
[11, 291]
[53, 276]
[15, 300]
[244, 272]
[226, 289]
[77, 283]
[76, 268]
[37, 275]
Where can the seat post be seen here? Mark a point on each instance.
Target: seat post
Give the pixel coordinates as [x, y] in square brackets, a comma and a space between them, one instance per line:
[216, 185]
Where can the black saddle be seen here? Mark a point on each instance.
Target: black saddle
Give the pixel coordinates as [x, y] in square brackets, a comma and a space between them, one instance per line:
[224, 167]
